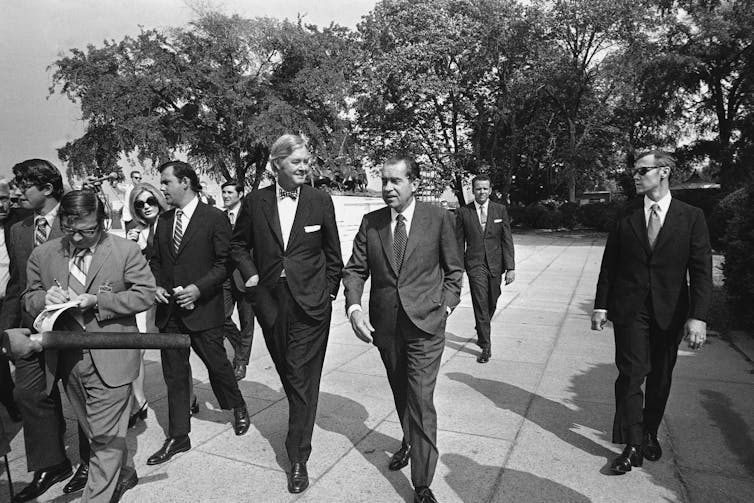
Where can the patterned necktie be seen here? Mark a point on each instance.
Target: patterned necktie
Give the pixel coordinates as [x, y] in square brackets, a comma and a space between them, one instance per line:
[77, 277]
[399, 241]
[653, 228]
[483, 217]
[178, 231]
[40, 230]
[282, 193]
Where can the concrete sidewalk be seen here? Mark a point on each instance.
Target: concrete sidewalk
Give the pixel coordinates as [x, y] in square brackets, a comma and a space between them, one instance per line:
[531, 425]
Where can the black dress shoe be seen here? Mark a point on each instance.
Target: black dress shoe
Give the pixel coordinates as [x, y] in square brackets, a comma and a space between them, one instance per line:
[139, 415]
[194, 409]
[298, 480]
[78, 481]
[424, 494]
[170, 448]
[13, 412]
[123, 486]
[241, 420]
[485, 356]
[400, 458]
[631, 456]
[239, 371]
[651, 447]
[43, 480]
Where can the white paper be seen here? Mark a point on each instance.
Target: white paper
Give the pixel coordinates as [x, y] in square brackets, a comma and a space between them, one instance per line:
[46, 319]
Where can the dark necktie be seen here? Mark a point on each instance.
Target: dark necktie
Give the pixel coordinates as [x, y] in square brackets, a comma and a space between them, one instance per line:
[40, 230]
[231, 217]
[653, 228]
[399, 241]
[178, 231]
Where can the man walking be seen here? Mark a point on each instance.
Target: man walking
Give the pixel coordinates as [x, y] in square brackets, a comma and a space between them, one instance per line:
[658, 242]
[484, 240]
[411, 253]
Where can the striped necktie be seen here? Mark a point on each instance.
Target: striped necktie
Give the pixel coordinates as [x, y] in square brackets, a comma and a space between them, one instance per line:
[178, 231]
[77, 280]
[41, 228]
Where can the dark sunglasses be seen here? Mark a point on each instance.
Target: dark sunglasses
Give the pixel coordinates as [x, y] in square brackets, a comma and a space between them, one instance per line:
[151, 201]
[644, 170]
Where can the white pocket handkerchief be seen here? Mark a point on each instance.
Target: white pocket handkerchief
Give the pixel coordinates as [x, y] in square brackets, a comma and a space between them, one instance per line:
[498, 220]
[312, 228]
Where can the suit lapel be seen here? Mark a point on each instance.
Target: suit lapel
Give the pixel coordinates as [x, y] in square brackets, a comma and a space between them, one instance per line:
[636, 219]
[302, 208]
[419, 224]
[387, 238]
[101, 254]
[192, 226]
[270, 210]
[60, 263]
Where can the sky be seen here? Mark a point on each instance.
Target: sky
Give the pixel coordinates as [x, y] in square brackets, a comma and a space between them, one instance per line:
[34, 33]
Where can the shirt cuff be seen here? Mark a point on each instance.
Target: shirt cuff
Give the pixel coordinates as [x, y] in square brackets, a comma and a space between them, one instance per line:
[351, 309]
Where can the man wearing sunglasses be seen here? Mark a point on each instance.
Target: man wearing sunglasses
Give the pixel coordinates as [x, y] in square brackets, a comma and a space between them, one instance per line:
[658, 242]
[128, 219]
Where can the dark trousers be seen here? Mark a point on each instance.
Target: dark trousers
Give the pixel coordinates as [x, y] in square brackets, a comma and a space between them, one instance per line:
[241, 340]
[412, 363]
[642, 351]
[42, 415]
[485, 290]
[176, 371]
[297, 344]
[6, 382]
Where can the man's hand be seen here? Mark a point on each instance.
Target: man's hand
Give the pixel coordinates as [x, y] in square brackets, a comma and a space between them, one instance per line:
[86, 301]
[133, 234]
[19, 343]
[361, 326]
[599, 318]
[56, 295]
[696, 333]
[187, 296]
[161, 295]
[510, 277]
[252, 282]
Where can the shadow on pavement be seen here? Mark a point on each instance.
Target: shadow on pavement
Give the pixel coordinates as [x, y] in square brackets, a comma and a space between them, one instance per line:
[733, 427]
[467, 477]
[460, 344]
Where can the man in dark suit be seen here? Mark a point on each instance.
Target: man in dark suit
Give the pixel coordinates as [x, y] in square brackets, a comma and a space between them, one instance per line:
[110, 279]
[658, 242]
[236, 294]
[292, 231]
[410, 250]
[189, 264]
[484, 240]
[44, 426]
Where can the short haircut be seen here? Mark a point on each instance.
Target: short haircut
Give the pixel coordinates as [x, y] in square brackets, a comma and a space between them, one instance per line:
[665, 159]
[284, 146]
[81, 203]
[134, 172]
[183, 170]
[232, 183]
[413, 172]
[138, 190]
[481, 178]
[40, 173]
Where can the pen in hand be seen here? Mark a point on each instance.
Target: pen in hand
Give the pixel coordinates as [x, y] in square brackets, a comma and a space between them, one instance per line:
[67, 296]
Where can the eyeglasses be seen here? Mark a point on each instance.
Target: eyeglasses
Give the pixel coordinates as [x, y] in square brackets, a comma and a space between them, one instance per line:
[151, 201]
[644, 170]
[87, 233]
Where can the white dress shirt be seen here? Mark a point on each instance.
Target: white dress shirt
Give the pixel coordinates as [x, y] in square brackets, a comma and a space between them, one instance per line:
[188, 212]
[664, 204]
[286, 212]
[4, 264]
[479, 207]
[233, 211]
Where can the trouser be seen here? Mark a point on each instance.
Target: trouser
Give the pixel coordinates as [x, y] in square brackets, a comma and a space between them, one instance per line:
[297, 344]
[208, 345]
[103, 412]
[412, 363]
[485, 290]
[242, 339]
[642, 351]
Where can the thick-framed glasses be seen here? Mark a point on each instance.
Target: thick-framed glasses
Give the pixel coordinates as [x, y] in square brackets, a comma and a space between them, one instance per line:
[151, 201]
[87, 233]
[643, 170]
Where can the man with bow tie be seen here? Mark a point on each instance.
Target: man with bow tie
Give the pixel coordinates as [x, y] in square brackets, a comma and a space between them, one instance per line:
[658, 242]
[291, 230]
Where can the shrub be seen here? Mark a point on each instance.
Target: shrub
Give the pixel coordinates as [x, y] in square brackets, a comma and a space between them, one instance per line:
[738, 268]
[722, 215]
[600, 216]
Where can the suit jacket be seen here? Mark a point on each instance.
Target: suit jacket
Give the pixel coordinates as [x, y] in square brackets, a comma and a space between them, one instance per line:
[428, 282]
[312, 259]
[631, 271]
[120, 278]
[492, 246]
[235, 276]
[201, 259]
[20, 245]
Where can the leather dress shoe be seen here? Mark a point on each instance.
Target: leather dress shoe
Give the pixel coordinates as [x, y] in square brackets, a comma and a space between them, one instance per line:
[43, 480]
[484, 357]
[78, 481]
[139, 415]
[239, 371]
[241, 420]
[194, 408]
[123, 486]
[631, 456]
[424, 494]
[298, 480]
[170, 448]
[400, 458]
[650, 447]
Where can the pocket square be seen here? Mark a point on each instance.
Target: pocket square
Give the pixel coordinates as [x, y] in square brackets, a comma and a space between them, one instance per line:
[312, 228]
[498, 220]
